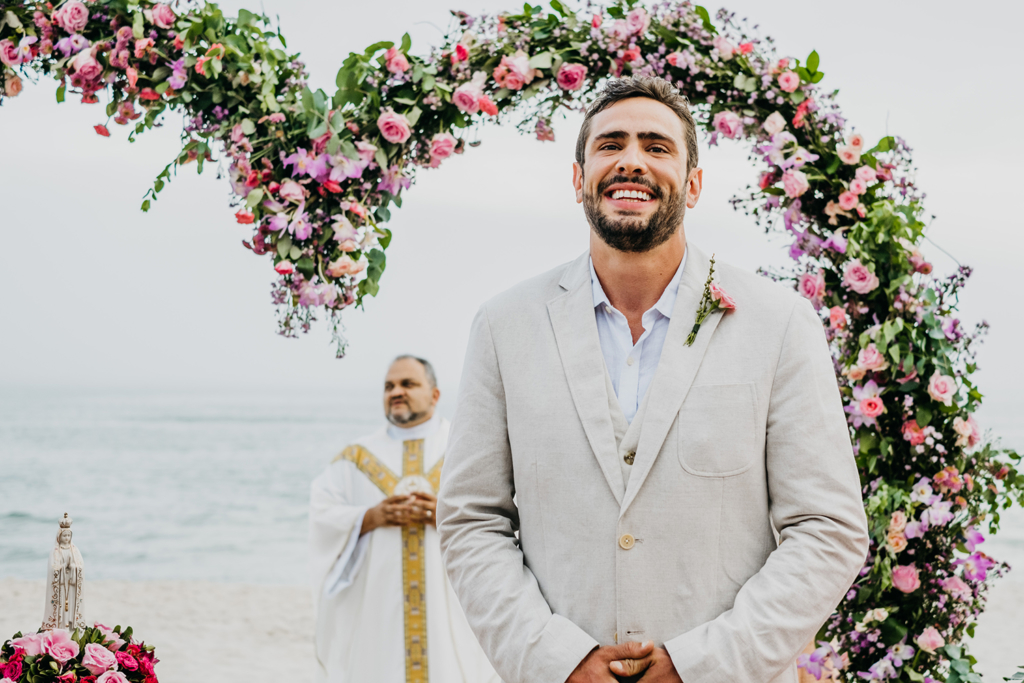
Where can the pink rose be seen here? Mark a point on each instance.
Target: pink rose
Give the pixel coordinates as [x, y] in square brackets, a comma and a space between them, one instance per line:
[638, 20]
[9, 53]
[858, 186]
[285, 267]
[848, 154]
[72, 16]
[395, 61]
[487, 106]
[870, 359]
[514, 72]
[467, 98]
[125, 660]
[98, 659]
[788, 81]
[724, 300]
[726, 50]
[348, 246]
[905, 578]
[113, 677]
[795, 183]
[729, 124]
[775, 123]
[975, 437]
[460, 54]
[13, 85]
[955, 586]
[941, 388]
[393, 127]
[913, 433]
[857, 142]
[631, 55]
[345, 265]
[571, 76]
[596, 21]
[292, 191]
[86, 66]
[812, 286]
[857, 277]
[872, 407]
[31, 644]
[111, 640]
[442, 145]
[59, 645]
[898, 521]
[963, 431]
[930, 640]
[848, 200]
[867, 174]
[837, 317]
[162, 15]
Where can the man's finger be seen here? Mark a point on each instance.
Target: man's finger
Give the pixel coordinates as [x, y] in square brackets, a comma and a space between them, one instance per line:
[631, 650]
[631, 667]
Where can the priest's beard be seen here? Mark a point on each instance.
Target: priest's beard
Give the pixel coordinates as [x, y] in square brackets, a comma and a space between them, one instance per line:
[402, 419]
[632, 233]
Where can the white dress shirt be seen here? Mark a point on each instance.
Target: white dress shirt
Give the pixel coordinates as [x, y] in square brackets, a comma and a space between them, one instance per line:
[632, 366]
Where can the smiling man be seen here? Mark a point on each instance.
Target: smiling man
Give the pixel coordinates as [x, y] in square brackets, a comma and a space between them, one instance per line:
[384, 608]
[618, 504]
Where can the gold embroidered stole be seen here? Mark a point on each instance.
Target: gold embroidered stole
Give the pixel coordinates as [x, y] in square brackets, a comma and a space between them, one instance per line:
[414, 576]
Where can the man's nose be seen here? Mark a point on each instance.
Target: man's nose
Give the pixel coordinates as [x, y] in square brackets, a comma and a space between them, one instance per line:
[631, 161]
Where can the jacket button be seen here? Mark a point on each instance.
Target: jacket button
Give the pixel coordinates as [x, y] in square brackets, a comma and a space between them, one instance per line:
[626, 541]
[629, 457]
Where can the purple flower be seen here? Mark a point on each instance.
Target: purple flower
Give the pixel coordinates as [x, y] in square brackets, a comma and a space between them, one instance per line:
[976, 566]
[346, 168]
[939, 514]
[836, 242]
[179, 74]
[972, 539]
[951, 328]
[72, 44]
[900, 652]
[302, 162]
[392, 181]
[300, 225]
[915, 529]
[278, 222]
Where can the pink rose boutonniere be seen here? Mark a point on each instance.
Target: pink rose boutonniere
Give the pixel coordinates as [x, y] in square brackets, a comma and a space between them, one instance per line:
[714, 298]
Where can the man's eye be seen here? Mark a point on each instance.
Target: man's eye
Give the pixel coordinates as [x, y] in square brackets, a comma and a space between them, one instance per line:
[608, 145]
[657, 149]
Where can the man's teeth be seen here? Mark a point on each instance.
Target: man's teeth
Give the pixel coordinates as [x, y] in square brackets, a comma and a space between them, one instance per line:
[638, 195]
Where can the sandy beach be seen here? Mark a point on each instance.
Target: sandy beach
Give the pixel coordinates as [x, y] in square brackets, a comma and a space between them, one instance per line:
[238, 632]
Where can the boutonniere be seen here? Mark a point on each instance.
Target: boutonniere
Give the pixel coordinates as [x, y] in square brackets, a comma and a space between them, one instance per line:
[713, 299]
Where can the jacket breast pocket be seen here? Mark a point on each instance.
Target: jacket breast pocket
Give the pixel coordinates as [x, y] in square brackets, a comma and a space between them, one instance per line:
[718, 430]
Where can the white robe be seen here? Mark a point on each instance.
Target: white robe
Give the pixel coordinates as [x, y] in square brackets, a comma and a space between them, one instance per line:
[357, 583]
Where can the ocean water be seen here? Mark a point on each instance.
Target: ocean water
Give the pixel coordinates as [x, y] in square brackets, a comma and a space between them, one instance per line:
[210, 486]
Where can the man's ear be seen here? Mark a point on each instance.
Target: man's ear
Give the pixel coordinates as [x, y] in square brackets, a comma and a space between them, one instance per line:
[437, 395]
[577, 181]
[694, 184]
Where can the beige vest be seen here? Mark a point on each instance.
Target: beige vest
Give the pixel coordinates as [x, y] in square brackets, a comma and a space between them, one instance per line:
[627, 434]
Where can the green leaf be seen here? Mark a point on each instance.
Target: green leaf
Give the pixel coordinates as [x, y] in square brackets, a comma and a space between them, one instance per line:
[284, 245]
[248, 127]
[406, 43]
[817, 76]
[245, 17]
[558, 7]
[307, 100]
[305, 266]
[349, 150]
[812, 61]
[705, 19]
[295, 252]
[254, 198]
[138, 27]
[145, 206]
[541, 61]
[60, 92]
[381, 157]
[923, 416]
[413, 115]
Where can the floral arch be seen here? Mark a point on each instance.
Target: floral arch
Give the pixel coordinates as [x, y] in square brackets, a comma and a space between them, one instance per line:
[315, 175]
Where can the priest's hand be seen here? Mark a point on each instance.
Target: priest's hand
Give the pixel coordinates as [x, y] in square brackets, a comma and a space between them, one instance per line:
[596, 667]
[394, 511]
[427, 505]
[657, 667]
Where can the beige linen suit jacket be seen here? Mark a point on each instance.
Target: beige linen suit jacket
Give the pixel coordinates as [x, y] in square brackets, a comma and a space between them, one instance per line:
[743, 435]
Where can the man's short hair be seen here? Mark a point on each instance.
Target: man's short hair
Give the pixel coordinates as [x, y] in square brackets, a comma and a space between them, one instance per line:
[651, 87]
[427, 367]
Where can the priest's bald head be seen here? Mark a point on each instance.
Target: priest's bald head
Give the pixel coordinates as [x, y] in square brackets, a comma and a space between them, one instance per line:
[410, 391]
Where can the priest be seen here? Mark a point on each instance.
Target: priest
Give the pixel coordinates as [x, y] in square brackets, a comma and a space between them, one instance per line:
[384, 609]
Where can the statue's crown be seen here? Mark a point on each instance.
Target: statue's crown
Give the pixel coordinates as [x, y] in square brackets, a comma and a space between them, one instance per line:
[66, 522]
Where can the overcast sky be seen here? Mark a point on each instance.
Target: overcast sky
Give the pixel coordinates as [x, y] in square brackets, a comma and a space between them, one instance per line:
[97, 293]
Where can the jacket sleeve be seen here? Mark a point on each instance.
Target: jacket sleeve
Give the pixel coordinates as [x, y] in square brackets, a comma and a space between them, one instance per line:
[817, 508]
[477, 523]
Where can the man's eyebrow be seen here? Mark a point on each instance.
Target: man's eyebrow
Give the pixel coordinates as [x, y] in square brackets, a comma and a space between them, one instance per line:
[643, 135]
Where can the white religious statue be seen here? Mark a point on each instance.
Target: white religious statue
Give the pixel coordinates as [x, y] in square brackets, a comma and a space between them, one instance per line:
[64, 570]
[385, 611]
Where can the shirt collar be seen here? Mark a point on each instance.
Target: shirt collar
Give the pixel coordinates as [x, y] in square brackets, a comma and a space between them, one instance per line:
[664, 305]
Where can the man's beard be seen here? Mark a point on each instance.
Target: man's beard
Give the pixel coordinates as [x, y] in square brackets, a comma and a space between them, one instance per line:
[633, 234]
[399, 420]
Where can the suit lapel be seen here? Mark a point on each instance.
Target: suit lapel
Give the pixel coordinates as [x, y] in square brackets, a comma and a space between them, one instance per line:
[575, 326]
[676, 369]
